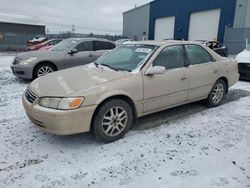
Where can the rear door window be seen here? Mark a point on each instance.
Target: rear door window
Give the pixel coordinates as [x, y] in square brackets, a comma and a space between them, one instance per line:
[197, 55]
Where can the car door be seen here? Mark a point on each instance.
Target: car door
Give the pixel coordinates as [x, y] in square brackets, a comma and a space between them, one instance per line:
[83, 56]
[162, 91]
[203, 71]
[101, 47]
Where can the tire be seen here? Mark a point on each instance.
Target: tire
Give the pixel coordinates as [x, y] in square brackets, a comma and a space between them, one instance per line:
[110, 127]
[217, 94]
[43, 68]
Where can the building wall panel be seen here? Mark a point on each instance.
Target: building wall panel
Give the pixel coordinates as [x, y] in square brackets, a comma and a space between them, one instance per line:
[242, 14]
[15, 36]
[136, 22]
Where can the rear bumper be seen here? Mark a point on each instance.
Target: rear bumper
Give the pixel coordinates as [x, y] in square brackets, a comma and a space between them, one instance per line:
[25, 72]
[59, 122]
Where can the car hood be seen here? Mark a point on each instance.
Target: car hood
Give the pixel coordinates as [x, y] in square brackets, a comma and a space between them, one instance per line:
[71, 82]
[39, 54]
[243, 57]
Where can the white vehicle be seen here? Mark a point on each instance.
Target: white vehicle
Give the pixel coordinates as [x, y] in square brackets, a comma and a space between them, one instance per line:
[243, 60]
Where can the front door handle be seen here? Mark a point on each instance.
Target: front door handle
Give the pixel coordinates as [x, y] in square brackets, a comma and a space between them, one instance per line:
[184, 78]
[91, 55]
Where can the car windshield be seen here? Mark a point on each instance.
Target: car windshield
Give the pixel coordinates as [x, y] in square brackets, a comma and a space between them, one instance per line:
[248, 48]
[126, 57]
[65, 45]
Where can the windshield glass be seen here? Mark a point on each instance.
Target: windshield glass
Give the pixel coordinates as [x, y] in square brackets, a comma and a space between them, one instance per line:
[126, 57]
[248, 48]
[65, 45]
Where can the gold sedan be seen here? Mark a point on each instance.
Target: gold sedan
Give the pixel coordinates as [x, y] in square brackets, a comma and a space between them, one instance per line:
[133, 80]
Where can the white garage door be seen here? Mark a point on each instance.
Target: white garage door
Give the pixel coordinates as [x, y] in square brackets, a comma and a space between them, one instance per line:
[164, 28]
[204, 25]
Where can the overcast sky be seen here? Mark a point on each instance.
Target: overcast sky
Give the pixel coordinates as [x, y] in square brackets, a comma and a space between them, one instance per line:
[98, 16]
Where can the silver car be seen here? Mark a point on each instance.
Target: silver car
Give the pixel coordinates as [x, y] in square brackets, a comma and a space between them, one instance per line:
[68, 53]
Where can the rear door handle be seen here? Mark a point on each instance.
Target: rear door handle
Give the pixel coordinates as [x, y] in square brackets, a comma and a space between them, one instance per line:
[91, 55]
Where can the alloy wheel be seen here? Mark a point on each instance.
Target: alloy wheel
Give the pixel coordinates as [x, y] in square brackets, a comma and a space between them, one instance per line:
[218, 93]
[44, 70]
[114, 121]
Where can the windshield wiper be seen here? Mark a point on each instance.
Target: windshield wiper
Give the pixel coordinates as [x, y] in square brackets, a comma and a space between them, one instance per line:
[96, 64]
[113, 68]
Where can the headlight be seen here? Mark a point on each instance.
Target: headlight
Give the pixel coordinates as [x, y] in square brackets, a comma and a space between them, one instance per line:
[67, 103]
[28, 61]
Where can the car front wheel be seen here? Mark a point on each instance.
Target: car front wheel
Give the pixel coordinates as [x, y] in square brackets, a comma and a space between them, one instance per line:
[217, 94]
[43, 69]
[112, 121]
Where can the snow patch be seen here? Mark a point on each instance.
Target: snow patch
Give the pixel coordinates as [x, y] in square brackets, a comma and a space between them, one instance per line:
[64, 85]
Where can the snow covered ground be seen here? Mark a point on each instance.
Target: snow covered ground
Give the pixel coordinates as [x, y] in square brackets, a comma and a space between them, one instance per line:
[189, 146]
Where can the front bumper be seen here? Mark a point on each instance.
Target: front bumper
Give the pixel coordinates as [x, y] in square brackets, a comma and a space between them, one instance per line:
[244, 70]
[25, 72]
[59, 122]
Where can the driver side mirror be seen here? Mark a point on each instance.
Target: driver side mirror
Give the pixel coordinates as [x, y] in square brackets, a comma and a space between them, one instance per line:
[155, 70]
[72, 51]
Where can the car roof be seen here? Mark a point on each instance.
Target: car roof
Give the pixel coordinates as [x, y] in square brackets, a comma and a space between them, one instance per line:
[163, 43]
[53, 39]
[90, 39]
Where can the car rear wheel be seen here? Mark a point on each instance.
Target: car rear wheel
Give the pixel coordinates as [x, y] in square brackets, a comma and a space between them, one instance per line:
[217, 94]
[43, 69]
[112, 121]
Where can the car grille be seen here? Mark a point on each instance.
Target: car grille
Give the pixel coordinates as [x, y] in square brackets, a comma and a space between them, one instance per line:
[30, 96]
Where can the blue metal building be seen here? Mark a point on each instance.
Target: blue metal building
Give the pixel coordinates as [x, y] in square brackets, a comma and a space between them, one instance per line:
[182, 10]
[183, 19]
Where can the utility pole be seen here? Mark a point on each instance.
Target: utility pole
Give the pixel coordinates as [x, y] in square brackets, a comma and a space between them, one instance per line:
[73, 29]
